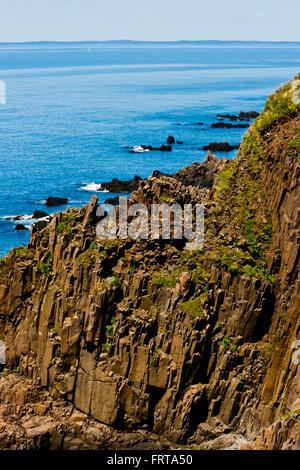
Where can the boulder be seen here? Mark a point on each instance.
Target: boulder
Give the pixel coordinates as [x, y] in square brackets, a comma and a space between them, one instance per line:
[20, 227]
[39, 214]
[204, 174]
[220, 147]
[200, 175]
[170, 140]
[118, 186]
[56, 201]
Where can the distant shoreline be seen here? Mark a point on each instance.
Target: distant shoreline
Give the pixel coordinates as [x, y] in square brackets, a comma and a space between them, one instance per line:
[153, 43]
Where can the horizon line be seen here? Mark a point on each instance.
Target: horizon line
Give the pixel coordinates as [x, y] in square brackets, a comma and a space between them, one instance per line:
[133, 41]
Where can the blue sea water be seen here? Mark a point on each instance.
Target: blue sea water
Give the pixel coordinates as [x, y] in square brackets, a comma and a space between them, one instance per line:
[73, 108]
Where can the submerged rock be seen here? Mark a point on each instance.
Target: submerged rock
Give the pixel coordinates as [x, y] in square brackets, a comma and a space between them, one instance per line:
[227, 125]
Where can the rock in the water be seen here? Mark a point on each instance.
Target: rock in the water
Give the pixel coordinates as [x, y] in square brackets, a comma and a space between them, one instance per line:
[114, 201]
[248, 115]
[20, 227]
[220, 147]
[118, 186]
[39, 214]
[243, 116]
[170, 140]
[227, 125]
[56, 201]
[164, 148]
[148, 148]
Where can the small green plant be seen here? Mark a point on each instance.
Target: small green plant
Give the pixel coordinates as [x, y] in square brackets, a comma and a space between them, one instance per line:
[226, 342]
[115, 282]
[165, 198]
[46, 268]
[90, 254]
[93, 246]
[194, 307]
[295, 144]
[109, 329]
[164, 279]
[224, 178]
[132, 269]
[65, 226]
[23, 252]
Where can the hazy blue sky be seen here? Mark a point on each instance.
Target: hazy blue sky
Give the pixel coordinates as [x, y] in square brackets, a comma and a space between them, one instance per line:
[72, 20]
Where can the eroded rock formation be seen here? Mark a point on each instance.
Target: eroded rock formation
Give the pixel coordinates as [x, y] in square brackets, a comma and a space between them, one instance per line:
[143, 339]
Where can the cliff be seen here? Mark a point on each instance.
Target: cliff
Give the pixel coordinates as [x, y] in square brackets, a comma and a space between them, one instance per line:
[142, 343]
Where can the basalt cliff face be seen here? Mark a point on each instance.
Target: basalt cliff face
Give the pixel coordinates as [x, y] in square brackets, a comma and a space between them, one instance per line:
[142, 344]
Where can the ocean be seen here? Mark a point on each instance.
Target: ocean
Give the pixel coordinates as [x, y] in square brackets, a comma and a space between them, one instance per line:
[72, 109]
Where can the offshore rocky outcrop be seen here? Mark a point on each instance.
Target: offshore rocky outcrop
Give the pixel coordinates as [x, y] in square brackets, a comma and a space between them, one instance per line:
[144, 344]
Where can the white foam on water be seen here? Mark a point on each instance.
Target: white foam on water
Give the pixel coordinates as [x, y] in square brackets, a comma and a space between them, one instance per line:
[139, 149]
[93, 187]
[25, 218]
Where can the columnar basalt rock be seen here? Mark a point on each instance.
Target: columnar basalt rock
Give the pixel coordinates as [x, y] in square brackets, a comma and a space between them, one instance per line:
[149, 338]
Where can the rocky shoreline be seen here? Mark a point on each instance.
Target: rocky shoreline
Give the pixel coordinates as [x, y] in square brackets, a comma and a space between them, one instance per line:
[141, 344]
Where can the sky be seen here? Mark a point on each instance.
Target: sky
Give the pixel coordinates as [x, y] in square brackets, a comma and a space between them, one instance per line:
[149, 20]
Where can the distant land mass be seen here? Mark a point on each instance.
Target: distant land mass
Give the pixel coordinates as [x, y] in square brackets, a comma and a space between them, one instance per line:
[128, 42]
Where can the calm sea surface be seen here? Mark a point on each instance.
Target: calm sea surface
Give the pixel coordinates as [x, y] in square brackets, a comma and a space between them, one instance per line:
[72, 109]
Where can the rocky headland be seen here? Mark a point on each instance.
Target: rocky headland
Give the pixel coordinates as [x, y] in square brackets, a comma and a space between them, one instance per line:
[142, 344]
